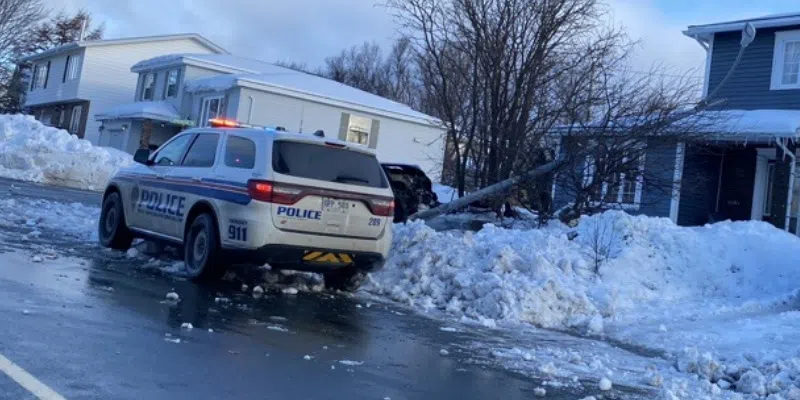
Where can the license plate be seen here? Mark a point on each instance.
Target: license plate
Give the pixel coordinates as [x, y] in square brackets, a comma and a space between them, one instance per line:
[335, 206]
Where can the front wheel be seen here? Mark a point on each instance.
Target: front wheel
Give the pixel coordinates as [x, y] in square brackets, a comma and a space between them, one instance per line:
[201, 249]
[111, 229]
[347, 279]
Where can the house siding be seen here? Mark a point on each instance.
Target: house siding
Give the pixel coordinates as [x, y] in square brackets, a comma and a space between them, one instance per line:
[659, 167]
[107, 80]
[398, 141]
[749, 86]
[56, 90]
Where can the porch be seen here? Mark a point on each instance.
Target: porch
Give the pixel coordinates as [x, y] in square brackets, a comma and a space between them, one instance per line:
[739, 182]
[140, 125]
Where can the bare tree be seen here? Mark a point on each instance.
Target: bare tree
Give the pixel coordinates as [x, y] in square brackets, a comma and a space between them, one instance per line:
[604, 239]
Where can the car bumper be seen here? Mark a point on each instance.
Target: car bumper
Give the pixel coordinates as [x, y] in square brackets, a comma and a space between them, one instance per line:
[280, 256]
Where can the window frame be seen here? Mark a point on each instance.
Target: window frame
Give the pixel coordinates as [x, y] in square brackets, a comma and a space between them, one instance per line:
[366, 134]
[177, 72]
[144, 87]
[204, 114]
[192, 142]
[588, 177]
[782, 38]
[71, 68]
[37, 75]
[73, 120]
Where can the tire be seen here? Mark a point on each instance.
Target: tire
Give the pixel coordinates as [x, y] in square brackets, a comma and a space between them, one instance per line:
[347, 279]
[111, 228]
[201, 252]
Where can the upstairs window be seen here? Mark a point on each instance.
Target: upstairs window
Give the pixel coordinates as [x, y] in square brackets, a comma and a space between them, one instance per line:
[40, 75]
[71, 67]
[148, 86]
[171, 85]
[786, 61]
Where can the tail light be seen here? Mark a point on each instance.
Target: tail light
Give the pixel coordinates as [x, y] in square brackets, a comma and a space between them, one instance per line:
[271, 193]
[381, 207]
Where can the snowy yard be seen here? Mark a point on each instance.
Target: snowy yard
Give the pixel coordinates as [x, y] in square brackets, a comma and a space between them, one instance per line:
[721, 301]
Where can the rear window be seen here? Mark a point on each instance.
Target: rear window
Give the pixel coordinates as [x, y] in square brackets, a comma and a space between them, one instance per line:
[329, 164]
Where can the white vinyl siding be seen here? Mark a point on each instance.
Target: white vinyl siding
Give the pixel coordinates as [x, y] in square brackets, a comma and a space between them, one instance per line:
[106, 77]
[398, 140]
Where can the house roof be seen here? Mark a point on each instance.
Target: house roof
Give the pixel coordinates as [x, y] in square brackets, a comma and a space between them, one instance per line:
[260, 75]
[121, 41]
[155, 110]
[705, 31]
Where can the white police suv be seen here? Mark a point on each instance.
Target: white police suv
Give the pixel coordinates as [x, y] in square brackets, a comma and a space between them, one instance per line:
[229, 194]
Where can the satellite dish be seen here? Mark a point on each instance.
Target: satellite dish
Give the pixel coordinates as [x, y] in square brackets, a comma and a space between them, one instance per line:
[748, 34]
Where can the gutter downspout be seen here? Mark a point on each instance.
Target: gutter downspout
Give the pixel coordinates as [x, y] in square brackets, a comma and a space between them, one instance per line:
[250, 109]
[791, 182]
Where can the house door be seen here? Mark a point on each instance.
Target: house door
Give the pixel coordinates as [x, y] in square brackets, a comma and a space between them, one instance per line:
[738, 169]
[210, 108]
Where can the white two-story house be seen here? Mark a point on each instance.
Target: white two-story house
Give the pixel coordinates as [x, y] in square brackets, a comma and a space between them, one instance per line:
[184, 90]
[72, 82]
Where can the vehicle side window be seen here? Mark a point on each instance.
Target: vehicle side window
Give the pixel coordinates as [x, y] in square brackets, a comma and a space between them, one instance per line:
[203, 152]
[172, 152]
[240, 152]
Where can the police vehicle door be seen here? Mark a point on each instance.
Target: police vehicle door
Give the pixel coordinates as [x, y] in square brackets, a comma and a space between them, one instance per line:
[156, 201]
[192, 174]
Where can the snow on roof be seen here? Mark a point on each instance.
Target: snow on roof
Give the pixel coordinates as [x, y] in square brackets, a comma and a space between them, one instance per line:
[764, 21]
[755, 123]
[246, 70]
[139, 39]
[157, 110]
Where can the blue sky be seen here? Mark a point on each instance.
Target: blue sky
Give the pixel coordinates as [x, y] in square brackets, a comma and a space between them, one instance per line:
[309, 30]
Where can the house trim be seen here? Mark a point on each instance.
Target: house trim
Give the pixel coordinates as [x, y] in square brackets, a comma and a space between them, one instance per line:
[778, 55]
[677, 177]
[709, 54]
[705, 31]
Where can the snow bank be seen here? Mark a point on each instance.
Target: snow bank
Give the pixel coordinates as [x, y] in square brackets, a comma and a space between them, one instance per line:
[650, 269]
[33, 152]
[728, 288]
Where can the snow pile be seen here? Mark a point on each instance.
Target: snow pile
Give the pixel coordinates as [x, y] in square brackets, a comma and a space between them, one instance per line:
[33, 152]
[620, 269]
[75, 219]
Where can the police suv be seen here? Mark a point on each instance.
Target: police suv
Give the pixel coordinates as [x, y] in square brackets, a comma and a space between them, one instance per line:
[230, 193]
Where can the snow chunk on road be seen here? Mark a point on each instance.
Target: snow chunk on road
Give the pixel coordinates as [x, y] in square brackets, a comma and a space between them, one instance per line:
[258, 290]
[351, 363]
[172, 296]
[307, 357]
[443, 352]
[290, 291]
[605, 384]
[540, 392]
[187, 325]
[33, 152]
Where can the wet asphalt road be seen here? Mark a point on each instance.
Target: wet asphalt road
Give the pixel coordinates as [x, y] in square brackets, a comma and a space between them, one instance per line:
[93, 324]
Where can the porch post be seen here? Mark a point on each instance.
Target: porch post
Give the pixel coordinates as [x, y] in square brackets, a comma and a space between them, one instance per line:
[781, 187]
[147, 131]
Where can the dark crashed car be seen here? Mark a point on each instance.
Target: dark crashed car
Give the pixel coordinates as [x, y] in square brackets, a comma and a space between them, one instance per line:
[413, 190]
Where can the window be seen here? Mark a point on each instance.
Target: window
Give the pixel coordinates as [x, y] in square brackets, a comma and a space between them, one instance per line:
[40, 75]
[203, 152]
[71, 67]
[75, 119]
[171, 86]
[358, 130]
[786, 61]
[325, 163]
[240, 153]
[210, 108]
[171, 153]
[623, 187]
[148, 86]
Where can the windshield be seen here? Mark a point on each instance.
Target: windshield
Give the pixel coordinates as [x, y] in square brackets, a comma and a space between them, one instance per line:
[329, 164]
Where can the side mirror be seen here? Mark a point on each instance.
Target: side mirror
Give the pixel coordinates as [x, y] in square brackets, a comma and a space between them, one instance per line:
[142, 156]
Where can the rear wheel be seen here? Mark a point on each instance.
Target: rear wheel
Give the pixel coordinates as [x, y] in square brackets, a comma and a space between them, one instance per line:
[111, 229]
[201, 249]
[347, 279]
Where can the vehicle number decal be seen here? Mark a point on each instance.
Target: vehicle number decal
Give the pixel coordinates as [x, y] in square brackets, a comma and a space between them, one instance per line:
[237, 230]
[374, 222]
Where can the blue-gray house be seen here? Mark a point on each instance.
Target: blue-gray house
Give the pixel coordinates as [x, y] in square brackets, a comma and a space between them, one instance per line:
[752, 175]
